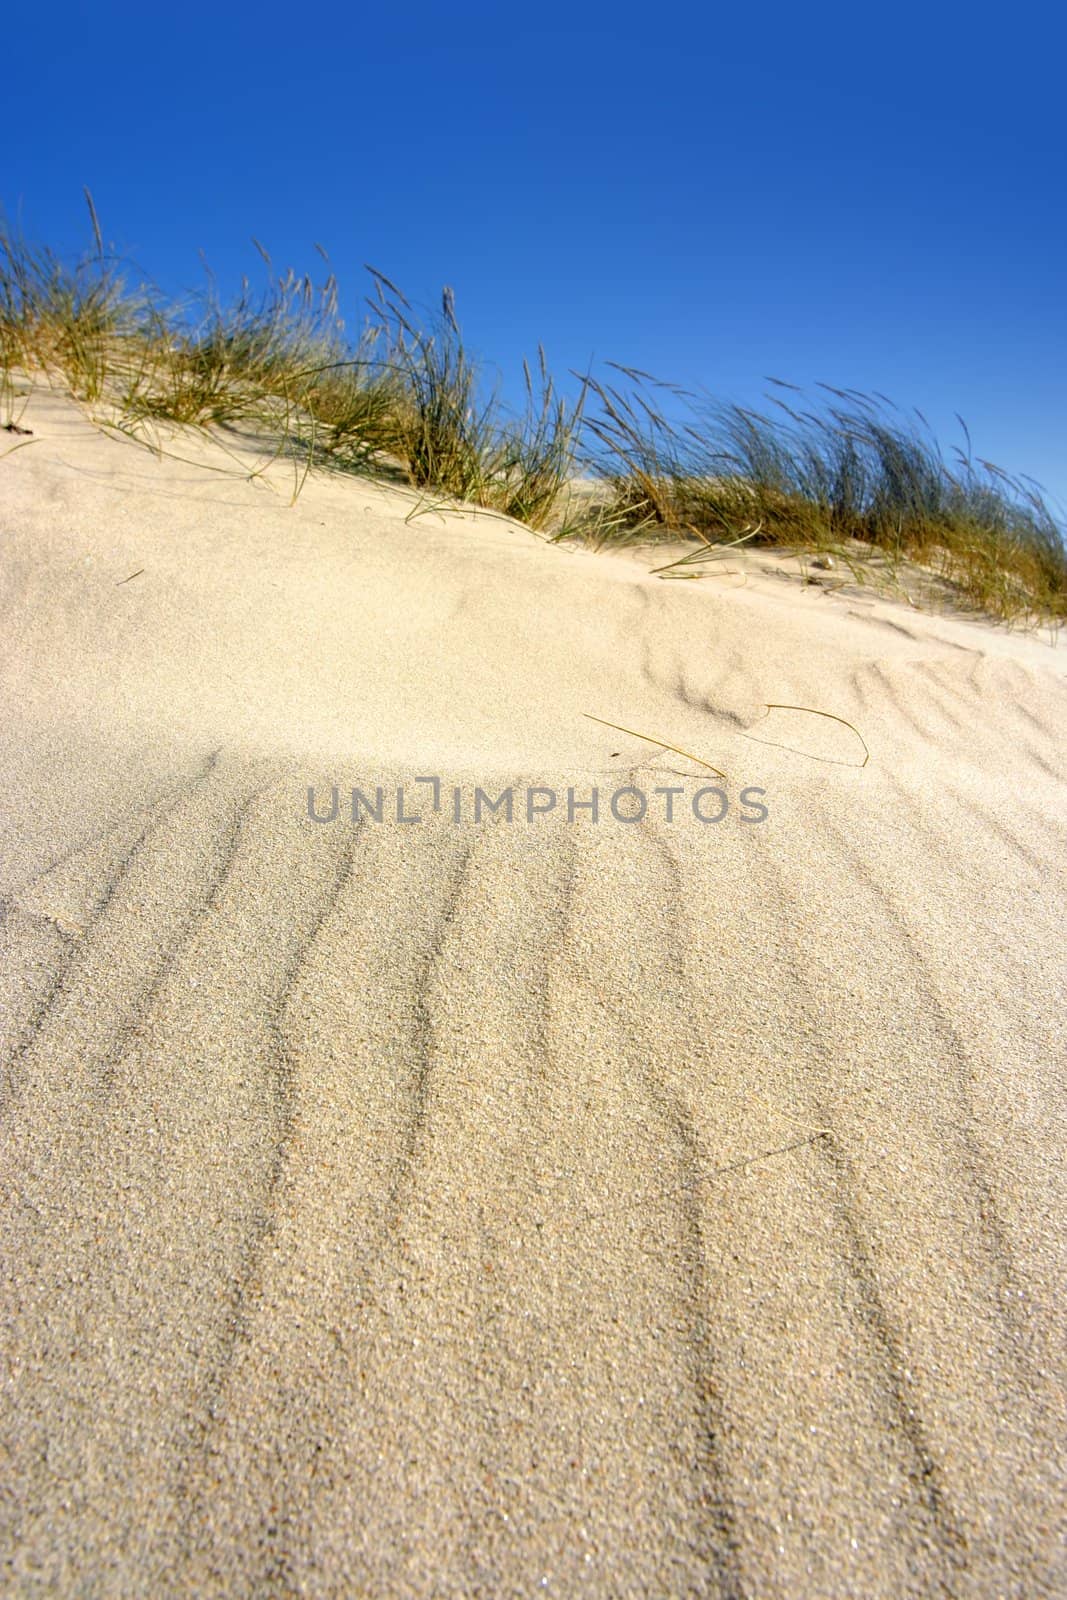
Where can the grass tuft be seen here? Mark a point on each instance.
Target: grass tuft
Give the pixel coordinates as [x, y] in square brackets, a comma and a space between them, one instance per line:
[62, 319]
[848, 475]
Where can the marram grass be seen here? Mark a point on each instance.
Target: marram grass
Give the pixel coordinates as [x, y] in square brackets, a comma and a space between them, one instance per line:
[846, 473]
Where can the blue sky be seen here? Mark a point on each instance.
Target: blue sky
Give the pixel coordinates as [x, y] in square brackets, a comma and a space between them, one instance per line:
[873, 197]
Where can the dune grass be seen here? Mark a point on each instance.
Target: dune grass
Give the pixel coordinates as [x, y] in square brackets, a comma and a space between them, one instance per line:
[455, 438]
[60, 318]
[845, 474]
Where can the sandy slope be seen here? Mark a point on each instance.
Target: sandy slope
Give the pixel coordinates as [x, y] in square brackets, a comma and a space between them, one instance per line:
[456, 1209]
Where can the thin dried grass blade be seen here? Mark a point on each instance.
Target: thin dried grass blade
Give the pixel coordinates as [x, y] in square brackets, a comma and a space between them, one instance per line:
[775, 705]
[661, 743]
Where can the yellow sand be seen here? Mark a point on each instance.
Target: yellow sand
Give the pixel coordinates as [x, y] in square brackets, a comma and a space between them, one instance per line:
[447, 1209]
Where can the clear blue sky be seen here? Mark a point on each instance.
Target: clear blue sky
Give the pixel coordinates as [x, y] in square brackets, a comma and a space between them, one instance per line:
[873, 196]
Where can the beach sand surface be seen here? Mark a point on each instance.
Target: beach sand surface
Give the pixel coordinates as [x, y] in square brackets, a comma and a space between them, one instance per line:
[658, 1208]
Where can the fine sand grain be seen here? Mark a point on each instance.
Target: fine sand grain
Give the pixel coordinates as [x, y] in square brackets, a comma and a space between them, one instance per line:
[445, 1209]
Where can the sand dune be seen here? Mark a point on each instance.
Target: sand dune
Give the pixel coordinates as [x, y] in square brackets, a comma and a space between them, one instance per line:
[474, 1208]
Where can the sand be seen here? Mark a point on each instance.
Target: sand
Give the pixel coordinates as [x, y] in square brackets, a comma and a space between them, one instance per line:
[499, 1209]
